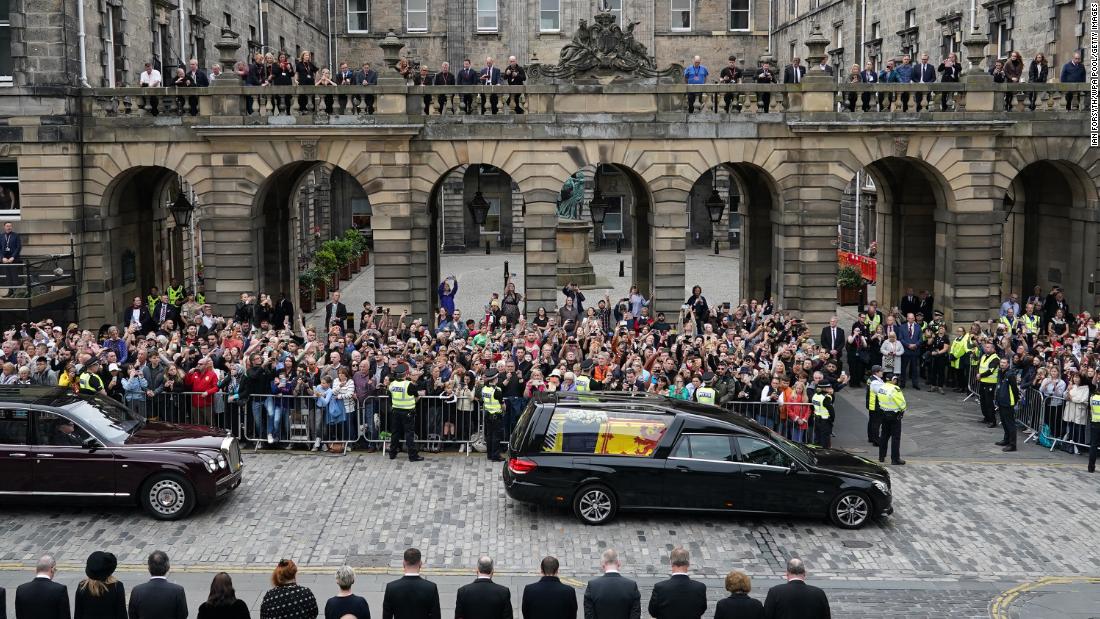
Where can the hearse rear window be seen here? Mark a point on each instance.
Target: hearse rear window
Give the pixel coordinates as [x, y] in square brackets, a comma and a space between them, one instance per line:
[604, 433]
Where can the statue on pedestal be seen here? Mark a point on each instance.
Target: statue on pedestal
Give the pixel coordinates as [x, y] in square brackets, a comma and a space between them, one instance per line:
[570, 196]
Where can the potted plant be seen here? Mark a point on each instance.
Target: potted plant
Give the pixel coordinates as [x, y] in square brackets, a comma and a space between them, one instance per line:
[307, 284]
[849, 283]
[360, 243]
[344, 252]
[327, 266]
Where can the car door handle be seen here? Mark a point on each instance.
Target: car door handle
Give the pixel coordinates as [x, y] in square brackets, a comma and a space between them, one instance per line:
[752, 475]
[683, 469]
[43, 455]
[17, 455]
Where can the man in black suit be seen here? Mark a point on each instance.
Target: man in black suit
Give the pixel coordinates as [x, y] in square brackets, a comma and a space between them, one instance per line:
[284, 312]
[833, 340]
[924, 73]
[549, 598]
[444, 78]
[795, 599]
[612, 596]
[42, 598]
[925, 301]
[490, 76]
[411, 597]
[158, 598]
[366, 77]
[679, 597]
[344, 77]
[910, 304]
[467, 77]
[483, 598]
[335, 310]
[794, 72]
[196, 78]
[137, 314]
[164, 310]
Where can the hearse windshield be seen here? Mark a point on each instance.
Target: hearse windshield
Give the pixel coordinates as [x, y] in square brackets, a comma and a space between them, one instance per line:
[107, 418]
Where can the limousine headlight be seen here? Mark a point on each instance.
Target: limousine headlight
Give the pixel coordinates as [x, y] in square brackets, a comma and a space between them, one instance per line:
[882, 487]
[210, 462]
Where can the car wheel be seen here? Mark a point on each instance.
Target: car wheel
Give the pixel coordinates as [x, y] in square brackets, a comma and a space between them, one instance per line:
[850, 510]
[168, 497]
[595, 505]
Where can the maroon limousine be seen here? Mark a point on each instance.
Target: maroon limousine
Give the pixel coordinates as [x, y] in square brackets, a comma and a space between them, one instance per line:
[76, 449]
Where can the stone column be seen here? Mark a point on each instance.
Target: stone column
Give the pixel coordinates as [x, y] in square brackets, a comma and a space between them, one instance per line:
[668, 219]
[540, 250]
[401, 257]
[968, 259]
[805, 240]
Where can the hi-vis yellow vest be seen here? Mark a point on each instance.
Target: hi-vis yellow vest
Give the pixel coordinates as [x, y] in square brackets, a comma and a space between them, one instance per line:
[400, 398]
[1094, 407]
[983, 366]
[489, 400]
[704, 395]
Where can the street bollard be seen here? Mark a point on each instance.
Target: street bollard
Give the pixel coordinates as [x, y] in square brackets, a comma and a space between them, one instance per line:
[506, 273]
[622, 268]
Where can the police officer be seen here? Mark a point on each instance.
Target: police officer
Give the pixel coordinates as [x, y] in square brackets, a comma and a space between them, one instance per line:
[873, 415]
[175, 293]
[988, 367]
[823, 414]
[960, 359]
[1094, 428]
[491, 396]
[584, 381]
[89, 380]
[1008, 394]
[891, 406]
[402, 414]
[704, 394]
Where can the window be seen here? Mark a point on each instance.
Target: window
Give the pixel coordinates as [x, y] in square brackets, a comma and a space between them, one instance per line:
[486, 15]
[5, 42]
[109, 46]
[13, 427]
[59, 431]
[739, 14]
[613, 216]
[681, 15]
[604, 432]
[792, 8]
[876, 33]
[757, 451]
[358, 15]
[549, 15]
[911, 18]
[838, 37]
[9, 189]
[416, 13]
[1003, 39]
[949, 46]
[282, 44]
[704, 447]
[228, 20]
[616, 10]
[492, 218]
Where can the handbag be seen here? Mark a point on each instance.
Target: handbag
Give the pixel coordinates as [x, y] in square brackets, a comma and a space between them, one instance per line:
[1044, 436]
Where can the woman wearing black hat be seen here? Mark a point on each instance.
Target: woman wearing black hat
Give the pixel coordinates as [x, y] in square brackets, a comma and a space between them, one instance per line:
[100, 596]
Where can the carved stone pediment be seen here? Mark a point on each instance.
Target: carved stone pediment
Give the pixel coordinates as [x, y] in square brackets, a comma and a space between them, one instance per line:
[602, 47]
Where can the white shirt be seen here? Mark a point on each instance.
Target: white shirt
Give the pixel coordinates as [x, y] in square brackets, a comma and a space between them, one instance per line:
[151, 78]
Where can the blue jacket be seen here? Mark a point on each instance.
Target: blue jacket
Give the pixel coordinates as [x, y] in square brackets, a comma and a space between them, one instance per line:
[905, 73]
[11, 245]
[903, 336]
[1072, 73]
[447, 299]
[888, 77]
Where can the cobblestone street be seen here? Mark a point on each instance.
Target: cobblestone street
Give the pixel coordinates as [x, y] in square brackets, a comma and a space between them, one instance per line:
[965, 529]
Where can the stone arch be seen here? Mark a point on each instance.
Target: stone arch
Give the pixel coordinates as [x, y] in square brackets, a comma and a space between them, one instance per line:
[142, 246]
[914, 198]
[1051, 230]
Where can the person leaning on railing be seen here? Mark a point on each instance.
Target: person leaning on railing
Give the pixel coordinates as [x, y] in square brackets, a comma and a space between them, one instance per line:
[1038, 72]
[949, 74]
[1073, 72]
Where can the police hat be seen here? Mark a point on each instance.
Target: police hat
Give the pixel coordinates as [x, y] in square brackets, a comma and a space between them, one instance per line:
[709, 376]
[400, 371]
[491, 374]
[587, 364]
[875, 369]
[825, 385]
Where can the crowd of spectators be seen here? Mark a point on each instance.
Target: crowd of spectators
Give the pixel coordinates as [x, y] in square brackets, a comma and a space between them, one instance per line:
[102, 596]
[281, 69]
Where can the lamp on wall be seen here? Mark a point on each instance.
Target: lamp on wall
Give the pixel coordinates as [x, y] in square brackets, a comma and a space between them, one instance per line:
[181, 209]
[479, 208]
[716, 206]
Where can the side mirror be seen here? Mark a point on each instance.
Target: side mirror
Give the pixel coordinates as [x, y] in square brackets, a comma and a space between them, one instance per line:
[793, 468]
[91, 443]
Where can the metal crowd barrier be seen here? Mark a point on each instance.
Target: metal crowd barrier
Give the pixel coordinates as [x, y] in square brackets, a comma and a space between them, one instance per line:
[298, 420]
[779, 418]
[439, 422]
[218, 410]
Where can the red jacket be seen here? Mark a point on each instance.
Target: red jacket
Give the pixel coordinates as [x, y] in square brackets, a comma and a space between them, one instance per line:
[203, 386]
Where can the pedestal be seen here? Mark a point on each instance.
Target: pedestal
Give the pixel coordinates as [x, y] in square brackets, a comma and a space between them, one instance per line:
[572, 247]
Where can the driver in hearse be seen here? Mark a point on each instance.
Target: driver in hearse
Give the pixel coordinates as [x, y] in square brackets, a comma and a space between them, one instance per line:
[64, 434]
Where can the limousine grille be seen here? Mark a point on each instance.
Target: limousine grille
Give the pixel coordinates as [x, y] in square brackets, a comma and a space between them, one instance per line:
[232, 450]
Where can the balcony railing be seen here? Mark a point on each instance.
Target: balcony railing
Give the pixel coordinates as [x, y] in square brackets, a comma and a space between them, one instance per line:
[403, 104]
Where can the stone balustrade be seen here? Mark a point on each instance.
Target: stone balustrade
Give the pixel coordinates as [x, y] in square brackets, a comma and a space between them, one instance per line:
[537, 103]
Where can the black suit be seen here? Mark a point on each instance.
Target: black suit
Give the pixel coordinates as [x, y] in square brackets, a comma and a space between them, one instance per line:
[796, 600]
[165, 311]
[410, 597]
[491, 78]
[468, 77]
[444, 79]
[910, 304]
[198, 79]
[42, 598]
[926, 308]
[612, 596]
[111, 604]
[739, 606]
[483, 599]
[923, 74]
[143, 317]
[158, 599]
[679, 597]
[549, 599]
[341, 313]
[828, 342]
[788, 73]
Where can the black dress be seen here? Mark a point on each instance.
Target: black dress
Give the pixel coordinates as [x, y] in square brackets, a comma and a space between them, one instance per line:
[237, 610]
[338, 606]
[110, 605]
[739, 606]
